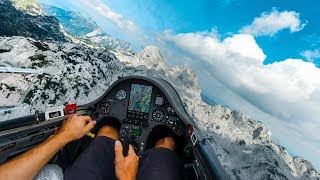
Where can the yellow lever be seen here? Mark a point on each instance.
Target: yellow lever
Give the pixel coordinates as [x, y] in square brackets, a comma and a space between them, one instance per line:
[90, 135]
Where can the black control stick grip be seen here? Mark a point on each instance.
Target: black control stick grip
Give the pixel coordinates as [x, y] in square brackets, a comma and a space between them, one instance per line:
[125, 145]
[99, 121]
[100, 118]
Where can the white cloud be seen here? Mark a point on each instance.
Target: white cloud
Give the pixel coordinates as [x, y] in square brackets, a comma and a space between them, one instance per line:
[285, 95]
[117, 19]
[269, 24]
[311, 55]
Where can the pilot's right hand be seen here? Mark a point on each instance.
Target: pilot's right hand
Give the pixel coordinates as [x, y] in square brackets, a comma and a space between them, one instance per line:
[126, 167]
[76, 127]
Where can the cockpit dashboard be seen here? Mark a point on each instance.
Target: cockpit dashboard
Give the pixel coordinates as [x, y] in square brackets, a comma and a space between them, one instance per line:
[140, 106]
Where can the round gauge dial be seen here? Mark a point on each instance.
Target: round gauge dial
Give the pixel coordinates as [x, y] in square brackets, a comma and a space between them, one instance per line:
[105, 108]
[170, 110]
[121, 95]
[125, 132]
[157, 115]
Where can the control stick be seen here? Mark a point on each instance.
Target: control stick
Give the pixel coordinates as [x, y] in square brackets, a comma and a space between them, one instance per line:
[98, 120]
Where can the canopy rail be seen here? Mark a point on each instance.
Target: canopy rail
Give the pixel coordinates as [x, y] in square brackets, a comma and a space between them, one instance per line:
[20, 70]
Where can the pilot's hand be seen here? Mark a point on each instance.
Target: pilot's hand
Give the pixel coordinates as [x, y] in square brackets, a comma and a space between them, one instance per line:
[126, 167]
[76, 127]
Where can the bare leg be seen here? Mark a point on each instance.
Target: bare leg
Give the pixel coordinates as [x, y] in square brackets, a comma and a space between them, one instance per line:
[166, 142]
[108, 131]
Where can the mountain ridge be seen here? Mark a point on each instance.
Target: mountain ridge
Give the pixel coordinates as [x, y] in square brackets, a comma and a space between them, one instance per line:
[84, 29]
[16, 23]
[28, 6]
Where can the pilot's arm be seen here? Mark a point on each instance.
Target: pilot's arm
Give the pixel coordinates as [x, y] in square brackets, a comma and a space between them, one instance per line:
[27, 165]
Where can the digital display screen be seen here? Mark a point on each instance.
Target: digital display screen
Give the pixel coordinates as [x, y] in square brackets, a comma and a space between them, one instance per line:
[172, 119]
[140, 98]
[159, 101]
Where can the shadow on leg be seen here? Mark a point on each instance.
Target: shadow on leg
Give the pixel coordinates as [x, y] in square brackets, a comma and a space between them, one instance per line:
[161, 162]
[97, 161]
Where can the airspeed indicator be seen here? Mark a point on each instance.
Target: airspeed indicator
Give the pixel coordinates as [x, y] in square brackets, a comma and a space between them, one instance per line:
[121, 95]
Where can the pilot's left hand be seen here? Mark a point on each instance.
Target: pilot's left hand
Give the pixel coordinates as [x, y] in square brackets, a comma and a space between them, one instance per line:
[76, 127]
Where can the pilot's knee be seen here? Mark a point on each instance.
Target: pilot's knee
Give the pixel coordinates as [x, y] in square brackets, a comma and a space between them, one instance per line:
[109, 131]
[166, 142]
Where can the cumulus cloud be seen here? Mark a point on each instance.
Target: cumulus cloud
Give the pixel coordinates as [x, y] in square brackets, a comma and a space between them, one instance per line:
[284, 95]
[311, 55]
[269, 23]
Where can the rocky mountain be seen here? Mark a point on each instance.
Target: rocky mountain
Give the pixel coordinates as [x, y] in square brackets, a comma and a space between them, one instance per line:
[28, 6]
[13, 88]
[16, 23]
[77, 73]
[84, 29]
[74, 23]
[103, 39]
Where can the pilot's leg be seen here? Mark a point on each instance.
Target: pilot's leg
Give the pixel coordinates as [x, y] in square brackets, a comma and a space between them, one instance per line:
[161, 162]
[97, 161]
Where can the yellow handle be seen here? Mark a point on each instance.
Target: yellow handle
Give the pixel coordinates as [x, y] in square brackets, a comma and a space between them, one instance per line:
[90, 135]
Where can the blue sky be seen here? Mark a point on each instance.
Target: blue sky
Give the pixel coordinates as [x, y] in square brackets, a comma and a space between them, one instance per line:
[259, 57]
[228, 16]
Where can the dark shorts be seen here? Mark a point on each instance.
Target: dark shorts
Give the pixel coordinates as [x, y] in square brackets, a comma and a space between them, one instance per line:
[97, 162]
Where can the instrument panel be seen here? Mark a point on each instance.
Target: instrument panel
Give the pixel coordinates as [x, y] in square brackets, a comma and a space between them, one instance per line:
[139, 106]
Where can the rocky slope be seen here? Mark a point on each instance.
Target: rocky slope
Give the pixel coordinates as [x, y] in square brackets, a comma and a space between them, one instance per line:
[16, 23]
[103, 39]
[74, 23]
[77, 73]
[28, 6]
[13, 88]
